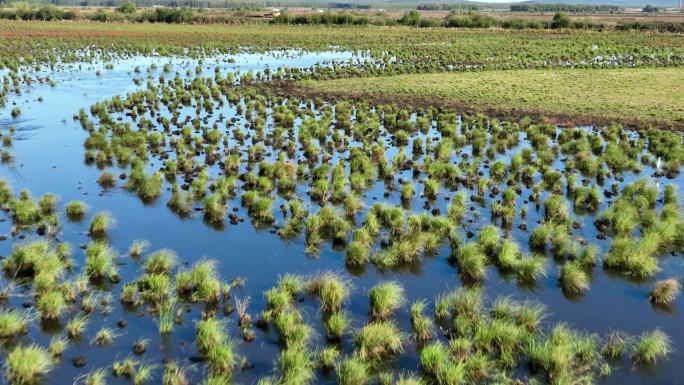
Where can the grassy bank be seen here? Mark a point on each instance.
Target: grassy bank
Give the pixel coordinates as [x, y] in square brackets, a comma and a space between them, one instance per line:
[627, 95]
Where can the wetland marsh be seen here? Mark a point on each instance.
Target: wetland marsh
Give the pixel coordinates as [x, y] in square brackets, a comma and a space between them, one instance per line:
[176, 215]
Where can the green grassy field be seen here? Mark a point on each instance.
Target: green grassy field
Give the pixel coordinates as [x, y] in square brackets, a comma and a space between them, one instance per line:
[627, 95]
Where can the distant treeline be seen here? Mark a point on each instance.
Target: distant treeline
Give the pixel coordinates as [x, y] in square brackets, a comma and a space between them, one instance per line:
[129, 13]
[348, 6]
[49, 12]
[470, 20]
[448, 7]
[194, 4]
[572, 8]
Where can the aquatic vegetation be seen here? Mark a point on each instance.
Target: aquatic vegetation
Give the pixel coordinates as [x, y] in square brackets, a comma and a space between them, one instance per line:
[296, 366]
[665, 291]
[331, 290]
[138, 247]
[161, 262]
[167, 316]
[96, 377]
[378, 340]
[423, 327]
[143, 373]
[328, 357]
[76, 326]
[353, 371]
[174, 374]
[26, 365]
[385, 299]
[99, 261]
[214, 209]
[104, 336]
[57, 346]
[76, 210]
[100, 223]
[562, 354]
[106, 180]
[651, 347]
[472, 261]
[616, 345]
[345, 172]
[574, 280]
[13, 323]
[51, 305]
[336, 325]
[200, 283]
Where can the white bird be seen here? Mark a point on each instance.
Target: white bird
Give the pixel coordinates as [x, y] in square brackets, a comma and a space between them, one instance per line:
[658, 164]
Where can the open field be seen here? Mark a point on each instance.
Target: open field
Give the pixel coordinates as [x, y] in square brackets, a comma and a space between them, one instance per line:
[648, 95]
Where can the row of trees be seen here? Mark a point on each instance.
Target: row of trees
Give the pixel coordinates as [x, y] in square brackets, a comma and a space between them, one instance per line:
[572, 8]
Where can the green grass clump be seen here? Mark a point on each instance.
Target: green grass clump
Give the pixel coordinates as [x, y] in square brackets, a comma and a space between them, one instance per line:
[434, 357]
[95, 377]
[331, 289]
[106, 180]
[508, 255]
[51, 305]
[143, 373]
[125, 367]
[457, 209]
[221, 357]
[174, 374]
[651, 347]
[100, 223]
[13, 323]
[635, 258]
[161, 262]
[530, 269]
[180, 201]
[379, 340]
[76, 210]
[385, 298]
[328, 357]
[26, 365]
[214, 209]
[138, 247]
[296, 367]
[409, 379]
[574, 280]
[472, 262]
[336, 325]
[24, 210]
[489, 238]
[99, 261]
[57, 346]
[353, 371]
[103, 337]
[423, 327]
[167, 315]
[665, 292]
[563, 355]
[209, 334]
[616, 345]
[200, 283]
[76, 326]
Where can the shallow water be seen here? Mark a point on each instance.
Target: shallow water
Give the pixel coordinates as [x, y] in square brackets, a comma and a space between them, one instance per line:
[48, 155]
